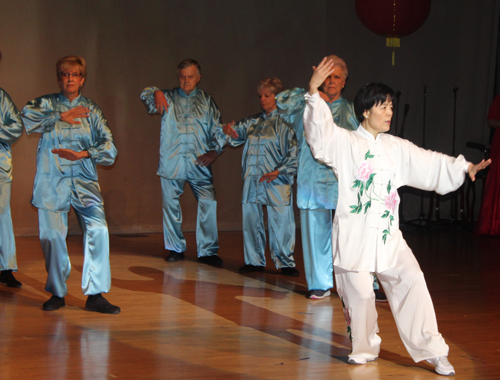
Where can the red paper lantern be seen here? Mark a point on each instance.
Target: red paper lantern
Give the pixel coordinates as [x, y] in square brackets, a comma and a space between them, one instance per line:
[393, 18]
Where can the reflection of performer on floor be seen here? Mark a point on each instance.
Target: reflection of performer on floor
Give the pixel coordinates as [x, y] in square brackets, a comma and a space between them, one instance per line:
[269, 164]
[317, 189]
[370, 166]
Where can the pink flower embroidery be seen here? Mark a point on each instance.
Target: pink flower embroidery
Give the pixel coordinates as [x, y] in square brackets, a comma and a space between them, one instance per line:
[365, 169]
[392, 201]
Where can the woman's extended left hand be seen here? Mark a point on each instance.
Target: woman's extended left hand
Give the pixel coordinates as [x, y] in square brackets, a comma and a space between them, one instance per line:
[473, 169]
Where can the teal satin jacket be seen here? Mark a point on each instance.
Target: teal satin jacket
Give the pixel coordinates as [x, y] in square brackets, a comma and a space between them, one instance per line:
[269, 145]
[57, 178]
[187, 132]
[11, 128]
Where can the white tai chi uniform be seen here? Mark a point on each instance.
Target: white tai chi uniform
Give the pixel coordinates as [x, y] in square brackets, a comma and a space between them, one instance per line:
[366, 228]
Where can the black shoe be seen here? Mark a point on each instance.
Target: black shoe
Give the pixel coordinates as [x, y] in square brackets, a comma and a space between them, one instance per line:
[8, 278]
[213, 260]
[292, 272]
[54, 303]
[175, 256]
[101, 305]
[318, 294]
[379, 296]
[250, 269]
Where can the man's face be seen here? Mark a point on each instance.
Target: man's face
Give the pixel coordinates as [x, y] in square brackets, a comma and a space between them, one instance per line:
[189, 79]
[333, 85]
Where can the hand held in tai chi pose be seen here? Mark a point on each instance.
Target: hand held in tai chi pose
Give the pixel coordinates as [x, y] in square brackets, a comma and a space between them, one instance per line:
[71, 155]
[207, 158]
[75, 113]
[229, 130]
[270, 176]
[161, 103]
[474, 169]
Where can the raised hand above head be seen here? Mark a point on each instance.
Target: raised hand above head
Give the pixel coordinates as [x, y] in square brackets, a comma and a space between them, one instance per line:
[229, 130]
[161, 103]
[323, 71]
[74, 113]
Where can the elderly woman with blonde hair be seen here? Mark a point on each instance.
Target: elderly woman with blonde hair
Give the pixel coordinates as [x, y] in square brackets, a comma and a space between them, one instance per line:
[269, 164]
[74, 138]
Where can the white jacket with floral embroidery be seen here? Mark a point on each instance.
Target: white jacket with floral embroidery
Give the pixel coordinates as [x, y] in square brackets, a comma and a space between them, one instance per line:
[366, 235]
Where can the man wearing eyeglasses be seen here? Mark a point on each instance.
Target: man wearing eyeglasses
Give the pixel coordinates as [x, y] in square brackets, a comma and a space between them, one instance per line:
[189, 117]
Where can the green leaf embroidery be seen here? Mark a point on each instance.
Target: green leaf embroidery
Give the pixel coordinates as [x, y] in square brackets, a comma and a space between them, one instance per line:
[386, 214]
[389, 187]
[370, 181]
[368, 155]
[368, 205]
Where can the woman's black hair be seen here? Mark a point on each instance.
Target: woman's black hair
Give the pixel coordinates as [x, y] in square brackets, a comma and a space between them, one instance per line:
[370, 95]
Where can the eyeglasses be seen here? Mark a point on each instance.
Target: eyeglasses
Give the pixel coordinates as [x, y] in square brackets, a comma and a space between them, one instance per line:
[67, 75]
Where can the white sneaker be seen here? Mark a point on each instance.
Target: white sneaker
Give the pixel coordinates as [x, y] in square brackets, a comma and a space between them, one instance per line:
[359, 360]
[443, 366]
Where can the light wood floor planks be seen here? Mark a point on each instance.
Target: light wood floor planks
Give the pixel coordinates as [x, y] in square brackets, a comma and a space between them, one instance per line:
[187, 320]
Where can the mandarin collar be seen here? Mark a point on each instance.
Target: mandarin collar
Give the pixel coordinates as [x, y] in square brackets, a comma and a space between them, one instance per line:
[68, 102]
[192, 93]
[272, 114]
[367, 135]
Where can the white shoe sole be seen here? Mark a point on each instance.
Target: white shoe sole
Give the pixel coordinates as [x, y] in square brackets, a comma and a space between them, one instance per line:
[327, 294]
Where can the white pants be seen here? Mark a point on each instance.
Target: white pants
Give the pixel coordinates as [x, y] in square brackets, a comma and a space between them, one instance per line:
[410, 303]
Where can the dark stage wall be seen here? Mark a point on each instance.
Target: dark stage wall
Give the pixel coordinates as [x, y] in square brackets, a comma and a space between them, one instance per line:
[133, 44]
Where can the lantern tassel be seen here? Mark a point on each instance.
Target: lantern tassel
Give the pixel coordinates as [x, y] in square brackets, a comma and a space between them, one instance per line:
[393, 42]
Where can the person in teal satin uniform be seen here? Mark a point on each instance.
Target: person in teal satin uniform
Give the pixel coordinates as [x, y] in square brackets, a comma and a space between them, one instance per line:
[269, 164]
[74, 138]
[189, 118]
[11, 128]
[317, 189]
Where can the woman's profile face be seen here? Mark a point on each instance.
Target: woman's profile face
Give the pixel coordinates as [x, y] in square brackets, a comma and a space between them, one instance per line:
[70, 80]
[378, 118]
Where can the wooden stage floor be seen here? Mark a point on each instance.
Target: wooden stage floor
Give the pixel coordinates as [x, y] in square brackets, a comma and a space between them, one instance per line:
[187, 320]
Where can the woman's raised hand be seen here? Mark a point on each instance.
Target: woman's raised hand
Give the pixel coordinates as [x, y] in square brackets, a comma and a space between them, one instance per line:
[323, 71]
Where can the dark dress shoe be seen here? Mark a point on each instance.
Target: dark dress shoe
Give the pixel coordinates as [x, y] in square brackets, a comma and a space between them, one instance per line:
[175, 256]
[250, 269]
[213, 260]
[8, 278]
[54, 303]
[100, 304]
[292, 272]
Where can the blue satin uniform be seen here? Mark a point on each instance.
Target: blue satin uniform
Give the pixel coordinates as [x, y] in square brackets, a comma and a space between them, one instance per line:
[60, 184]
[187, 132]
[269, 145]
[317, 188]
[11, 128]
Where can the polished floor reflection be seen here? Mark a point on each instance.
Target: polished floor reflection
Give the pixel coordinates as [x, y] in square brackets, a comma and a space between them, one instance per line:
[187, 320]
